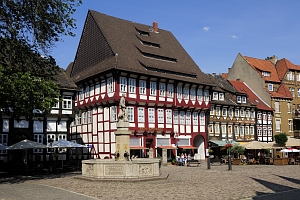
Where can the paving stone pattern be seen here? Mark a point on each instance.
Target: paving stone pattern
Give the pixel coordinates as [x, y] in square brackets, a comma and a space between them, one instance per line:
[243, 182]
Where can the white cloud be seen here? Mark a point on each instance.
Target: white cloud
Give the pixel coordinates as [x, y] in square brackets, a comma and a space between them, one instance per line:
[234, 36]
[206, 28]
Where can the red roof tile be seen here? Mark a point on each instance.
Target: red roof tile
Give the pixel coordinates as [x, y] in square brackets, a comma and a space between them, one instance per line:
[264, 66]
[252, 97]
[282, 92]
[283, 65]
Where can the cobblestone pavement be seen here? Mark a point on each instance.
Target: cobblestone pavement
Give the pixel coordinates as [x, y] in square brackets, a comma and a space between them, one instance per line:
[243, 182]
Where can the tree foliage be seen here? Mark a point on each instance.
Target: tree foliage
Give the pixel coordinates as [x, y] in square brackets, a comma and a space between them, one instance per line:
[238, 149]
[281, 139]
[28, 31]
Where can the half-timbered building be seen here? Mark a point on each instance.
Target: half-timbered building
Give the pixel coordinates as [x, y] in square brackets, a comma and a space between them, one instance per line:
[167, 95]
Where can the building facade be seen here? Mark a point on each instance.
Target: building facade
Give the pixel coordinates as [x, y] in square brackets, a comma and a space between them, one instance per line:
[167, 95]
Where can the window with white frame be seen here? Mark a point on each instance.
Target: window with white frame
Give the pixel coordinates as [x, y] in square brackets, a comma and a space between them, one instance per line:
[91, 90]
[182, 117]
[113, 111]
[81, 95]
[221, 96]
[39, 139]
[224, 112]
[298, 92]
[217, 129]
[259, 132]
[160, 113]
[242, 112]
[244, 99]
[89, 116]
[77, 119]
[265, 131]
[264, 73]
[193, 94]
[277, 106]
[270, 131]
[179, 92]
[236, 113]
[259, 115]
[195, 118]
[217, 111]
[50, 139]
[56, 105]
[229, 130]
[251, 130]
[188, 118]
[3, 140]
[84, 118]
[206, 95]
[153, 88]
[236, 130]
[269, 116]
[211, 110]
[202, 118]
[223, 128]
[277, 124]
[170, 90]
[151, 117]
[87, 91]
[200, 95]
[141, 114]
[247, 113]
[123, 84]
[230, 112]
[239, 99]
[210, 128]
[162, 89]
[97, 88]
[142, 87]
[168, 116]
[186, 92]
[241, 130]
[293, 92]
[290, 123]
[110, 87]
[130, 112]
[246, 130]
[270, 87]
[175, 116]
[67, 102]
[252, 114]
[215, 95]
[132, 85]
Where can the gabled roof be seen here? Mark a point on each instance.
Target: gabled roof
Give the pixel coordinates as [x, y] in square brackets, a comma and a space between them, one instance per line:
[282, 92]
[253, 98]
[283, 65]
[108, 43]
[64, 81]
[263, 66]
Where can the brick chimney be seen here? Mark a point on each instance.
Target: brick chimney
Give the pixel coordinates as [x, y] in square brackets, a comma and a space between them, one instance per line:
[155, 27]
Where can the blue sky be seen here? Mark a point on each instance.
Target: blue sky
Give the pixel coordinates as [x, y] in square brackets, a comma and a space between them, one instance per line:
[212, 32]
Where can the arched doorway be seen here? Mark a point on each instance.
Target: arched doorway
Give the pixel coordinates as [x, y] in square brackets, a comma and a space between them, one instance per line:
[199, 142]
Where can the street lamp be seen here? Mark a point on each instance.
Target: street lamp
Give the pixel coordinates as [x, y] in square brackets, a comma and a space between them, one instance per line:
[229, 142]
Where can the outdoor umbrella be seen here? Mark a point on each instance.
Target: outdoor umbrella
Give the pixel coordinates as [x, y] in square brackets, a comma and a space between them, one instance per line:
[255, 145]
[292, 142]
[290, 150]
[26, 144]
[3, 147]
[65, 144]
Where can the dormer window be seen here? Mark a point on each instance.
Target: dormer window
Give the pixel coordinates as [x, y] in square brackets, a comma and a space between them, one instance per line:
[215, 96]
[243, 99]
[266, 74]
[239, 99]
[270, 87]
[221, 96]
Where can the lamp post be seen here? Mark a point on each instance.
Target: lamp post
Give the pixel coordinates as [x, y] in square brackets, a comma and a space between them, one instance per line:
[229, 142]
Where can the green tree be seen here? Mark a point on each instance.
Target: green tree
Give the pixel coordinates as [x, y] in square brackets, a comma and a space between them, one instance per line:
[28, 32]
[238, 149]
[281, 139]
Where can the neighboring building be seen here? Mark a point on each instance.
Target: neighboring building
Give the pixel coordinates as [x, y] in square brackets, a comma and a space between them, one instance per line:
[261, 76]
[41, 129]
[232, 116]
[167, 95]
[289, 75]
[262, 128]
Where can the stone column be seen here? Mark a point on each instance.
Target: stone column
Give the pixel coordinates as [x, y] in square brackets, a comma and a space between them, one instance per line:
[151, 153]
[122, 140]
[164, 157]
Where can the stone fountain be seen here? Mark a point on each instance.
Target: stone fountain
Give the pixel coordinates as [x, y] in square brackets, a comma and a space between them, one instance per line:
[122, 167]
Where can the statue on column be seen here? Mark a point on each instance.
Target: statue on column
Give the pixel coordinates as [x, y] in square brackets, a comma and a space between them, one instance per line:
[123, 110]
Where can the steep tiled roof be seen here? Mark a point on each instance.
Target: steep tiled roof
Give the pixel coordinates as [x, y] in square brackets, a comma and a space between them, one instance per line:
[252, 96]
[108, 42]
[283, 65]
[64, 81]
[283, 92]
[263, 66]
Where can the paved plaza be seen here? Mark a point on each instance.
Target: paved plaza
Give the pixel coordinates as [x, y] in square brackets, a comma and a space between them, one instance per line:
[243, 182]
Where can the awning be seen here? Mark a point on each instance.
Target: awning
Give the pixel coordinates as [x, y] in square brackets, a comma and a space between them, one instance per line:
[167, 147]
[187, 147]
[137, 147]
[221, 143]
